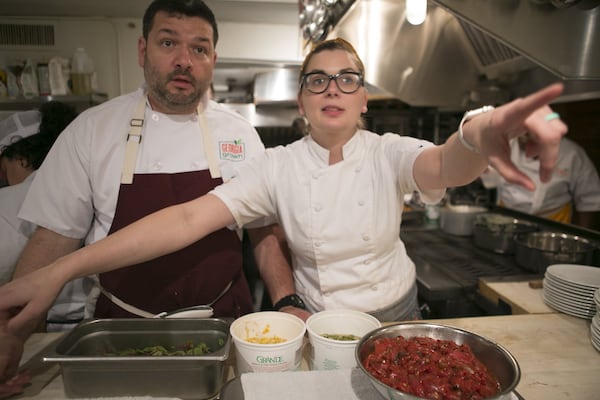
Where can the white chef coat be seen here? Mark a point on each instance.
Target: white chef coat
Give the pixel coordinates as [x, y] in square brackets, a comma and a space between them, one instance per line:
[574, 179]
[342, 221]
[76, 188]
[14, 234]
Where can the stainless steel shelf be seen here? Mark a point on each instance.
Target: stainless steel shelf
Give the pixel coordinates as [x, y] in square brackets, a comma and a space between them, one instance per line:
[79, 102]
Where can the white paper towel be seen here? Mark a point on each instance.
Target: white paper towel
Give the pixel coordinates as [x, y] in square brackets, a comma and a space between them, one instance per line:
[347, 384]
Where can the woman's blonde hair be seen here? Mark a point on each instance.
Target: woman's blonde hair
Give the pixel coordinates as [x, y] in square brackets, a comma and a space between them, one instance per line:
[332, 44]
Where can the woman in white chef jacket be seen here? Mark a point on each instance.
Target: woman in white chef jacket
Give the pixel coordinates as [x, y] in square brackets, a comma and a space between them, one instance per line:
[337, 192]
[571, 196]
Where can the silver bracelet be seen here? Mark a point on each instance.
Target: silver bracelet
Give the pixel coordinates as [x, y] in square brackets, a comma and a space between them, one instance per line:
[468, 115]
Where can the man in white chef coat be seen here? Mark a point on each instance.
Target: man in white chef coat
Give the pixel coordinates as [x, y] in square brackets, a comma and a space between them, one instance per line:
[163, 144]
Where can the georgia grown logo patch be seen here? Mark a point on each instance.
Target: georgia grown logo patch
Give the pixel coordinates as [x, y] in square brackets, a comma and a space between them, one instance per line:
[233, 150]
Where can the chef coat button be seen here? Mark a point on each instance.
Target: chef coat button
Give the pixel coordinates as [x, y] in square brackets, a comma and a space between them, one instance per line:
[195, 118]
[327, 294]
[315, 175]
[361, 202]
[367, 262]
[317, 244]
[155, 117]
[157, 166]
[374, 287]
[366, 237]
[357, 170]
[317, 208]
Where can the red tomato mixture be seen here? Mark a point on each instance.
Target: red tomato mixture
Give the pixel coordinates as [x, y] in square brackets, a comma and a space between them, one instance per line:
[430, 368]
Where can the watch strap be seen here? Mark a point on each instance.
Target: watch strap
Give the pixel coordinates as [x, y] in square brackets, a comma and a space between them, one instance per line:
[290, 300]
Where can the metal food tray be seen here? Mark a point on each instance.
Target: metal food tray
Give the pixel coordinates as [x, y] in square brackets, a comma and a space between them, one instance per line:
[88, 372]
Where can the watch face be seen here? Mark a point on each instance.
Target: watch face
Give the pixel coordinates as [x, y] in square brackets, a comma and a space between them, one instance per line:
[297, 302]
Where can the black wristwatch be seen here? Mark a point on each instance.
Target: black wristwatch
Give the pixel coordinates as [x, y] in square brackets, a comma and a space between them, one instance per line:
[290, 300]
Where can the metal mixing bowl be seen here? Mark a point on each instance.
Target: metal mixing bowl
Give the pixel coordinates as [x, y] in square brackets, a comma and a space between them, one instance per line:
[495, 357]
[497, 232]
[535, 251]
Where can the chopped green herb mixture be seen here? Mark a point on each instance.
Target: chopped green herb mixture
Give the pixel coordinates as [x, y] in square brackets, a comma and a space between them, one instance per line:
[343, 337]
[188, 349]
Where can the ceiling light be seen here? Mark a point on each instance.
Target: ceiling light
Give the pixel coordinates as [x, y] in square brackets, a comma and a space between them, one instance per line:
[416, 11]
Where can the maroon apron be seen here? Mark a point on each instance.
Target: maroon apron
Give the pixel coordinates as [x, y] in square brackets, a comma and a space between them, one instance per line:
[195, 275]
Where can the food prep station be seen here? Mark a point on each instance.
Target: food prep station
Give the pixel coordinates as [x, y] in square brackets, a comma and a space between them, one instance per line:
[450, 267]
[553, 350]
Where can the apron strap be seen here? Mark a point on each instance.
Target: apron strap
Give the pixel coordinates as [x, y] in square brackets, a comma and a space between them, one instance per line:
[125, 306]
[134, 138]
[145, 314]
[213, 165]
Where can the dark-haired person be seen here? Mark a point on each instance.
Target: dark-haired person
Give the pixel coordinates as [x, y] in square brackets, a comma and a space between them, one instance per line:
[164, 144]
[17, 126]
[18, 162]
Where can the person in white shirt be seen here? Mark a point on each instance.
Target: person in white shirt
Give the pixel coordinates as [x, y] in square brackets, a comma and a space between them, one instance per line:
[164, 144]
[571, 196]
[19, 159]
[337, 193]
[17, 171]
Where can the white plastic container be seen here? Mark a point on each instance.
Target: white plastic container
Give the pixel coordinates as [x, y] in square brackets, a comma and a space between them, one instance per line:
[29, 81]
[337, 354]
[59, 74]
[82, 69]
[259, 357]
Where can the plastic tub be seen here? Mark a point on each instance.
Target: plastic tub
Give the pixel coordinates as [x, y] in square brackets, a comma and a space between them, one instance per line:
[265, 356]
[329, 353]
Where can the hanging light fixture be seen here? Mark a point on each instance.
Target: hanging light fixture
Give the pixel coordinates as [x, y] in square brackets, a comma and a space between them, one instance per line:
[416, 11]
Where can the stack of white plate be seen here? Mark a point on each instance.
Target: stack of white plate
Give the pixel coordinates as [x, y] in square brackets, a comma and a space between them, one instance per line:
[595, 325]
[570, 288]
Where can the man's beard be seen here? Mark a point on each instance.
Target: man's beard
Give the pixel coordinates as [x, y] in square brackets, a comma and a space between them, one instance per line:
[177, 102]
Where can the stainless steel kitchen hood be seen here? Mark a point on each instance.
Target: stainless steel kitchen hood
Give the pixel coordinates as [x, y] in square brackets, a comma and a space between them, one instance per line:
[472, 52]
[564, 40]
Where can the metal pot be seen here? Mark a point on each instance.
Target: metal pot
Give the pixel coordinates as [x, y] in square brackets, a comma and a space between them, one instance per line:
[496, 232]
[459, 219]
[537, 250]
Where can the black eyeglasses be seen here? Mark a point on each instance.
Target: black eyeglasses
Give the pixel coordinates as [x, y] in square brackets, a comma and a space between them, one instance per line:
[318, 82]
